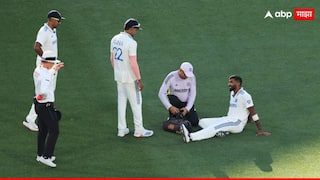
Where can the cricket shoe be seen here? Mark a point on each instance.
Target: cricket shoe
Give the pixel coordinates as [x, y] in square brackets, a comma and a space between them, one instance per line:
[122, 133]
[53, 158]
[30, 125]
[222, 133]
[185, 133]
[47, 162]
[143, 133]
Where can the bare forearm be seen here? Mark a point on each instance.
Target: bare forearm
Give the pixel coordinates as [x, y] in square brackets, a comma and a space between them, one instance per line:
[260, 131]
[135, 66]
[112, 59]
[37, 48]
[258, 124]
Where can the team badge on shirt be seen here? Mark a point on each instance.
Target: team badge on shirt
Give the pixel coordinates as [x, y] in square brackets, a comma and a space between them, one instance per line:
[249, 101]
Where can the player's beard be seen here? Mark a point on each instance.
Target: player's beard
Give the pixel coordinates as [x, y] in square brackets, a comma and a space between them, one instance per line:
[231, 88]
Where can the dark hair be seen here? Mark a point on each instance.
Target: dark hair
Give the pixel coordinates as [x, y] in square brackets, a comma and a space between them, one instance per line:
[236, 78]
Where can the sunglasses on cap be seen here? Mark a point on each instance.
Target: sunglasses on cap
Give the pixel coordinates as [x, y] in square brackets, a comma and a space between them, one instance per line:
[57, 19]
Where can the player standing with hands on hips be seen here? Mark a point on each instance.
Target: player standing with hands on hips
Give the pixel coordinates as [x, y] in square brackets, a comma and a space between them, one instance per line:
[178, 94]
[240, 109]
[123, 58]
[48, 116]
[46, 40]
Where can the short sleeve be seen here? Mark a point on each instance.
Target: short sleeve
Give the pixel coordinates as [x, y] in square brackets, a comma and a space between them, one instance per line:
[41, 37]
[248, 101]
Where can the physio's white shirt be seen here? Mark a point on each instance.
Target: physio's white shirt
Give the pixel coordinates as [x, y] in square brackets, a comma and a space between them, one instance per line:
[184, 89]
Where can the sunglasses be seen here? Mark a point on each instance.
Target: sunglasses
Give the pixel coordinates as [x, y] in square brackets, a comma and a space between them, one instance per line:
[57, 19]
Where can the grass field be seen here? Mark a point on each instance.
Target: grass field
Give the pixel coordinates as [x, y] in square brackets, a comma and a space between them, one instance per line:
[277, 58]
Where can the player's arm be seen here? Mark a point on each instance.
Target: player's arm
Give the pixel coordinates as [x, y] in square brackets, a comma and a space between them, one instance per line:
[254, 116]
[37, 48]
[136, 71]
[134, 63]
[163, 95]
[112, 59]
[56, 68]
[191, 98]
[40, 40]
[135, 66]
[111, 54]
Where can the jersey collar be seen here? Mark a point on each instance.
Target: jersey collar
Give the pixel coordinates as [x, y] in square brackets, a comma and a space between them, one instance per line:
[51, 30]
[232, 92]
[125, 33]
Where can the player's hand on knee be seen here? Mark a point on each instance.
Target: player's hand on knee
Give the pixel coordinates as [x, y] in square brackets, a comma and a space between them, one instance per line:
[174, 110]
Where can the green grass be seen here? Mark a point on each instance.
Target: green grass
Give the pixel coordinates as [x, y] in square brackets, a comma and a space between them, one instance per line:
[278, 60]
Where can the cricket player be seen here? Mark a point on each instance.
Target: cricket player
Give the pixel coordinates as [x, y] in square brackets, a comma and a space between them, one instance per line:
[45, 85]
[123, 57]
[241, 107]
[46, 40]
[178, 94]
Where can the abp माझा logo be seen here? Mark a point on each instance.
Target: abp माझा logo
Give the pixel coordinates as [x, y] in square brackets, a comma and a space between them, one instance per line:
[298, 14]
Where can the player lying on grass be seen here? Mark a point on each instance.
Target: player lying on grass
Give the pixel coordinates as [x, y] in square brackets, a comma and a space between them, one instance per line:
[241, 107]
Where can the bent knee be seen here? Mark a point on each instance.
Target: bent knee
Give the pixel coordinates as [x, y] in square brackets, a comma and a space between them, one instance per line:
[204, 122]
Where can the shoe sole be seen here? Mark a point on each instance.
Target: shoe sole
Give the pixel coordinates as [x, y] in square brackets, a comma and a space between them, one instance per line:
[141, 135]
[53, 158]
[47, 164]
[184, 132]
[123, 134]
[27, 126]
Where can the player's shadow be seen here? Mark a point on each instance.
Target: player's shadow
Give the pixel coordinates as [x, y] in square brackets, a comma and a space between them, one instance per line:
[264, 161]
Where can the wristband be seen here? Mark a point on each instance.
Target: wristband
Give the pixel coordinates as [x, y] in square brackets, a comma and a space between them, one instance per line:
[255, 117]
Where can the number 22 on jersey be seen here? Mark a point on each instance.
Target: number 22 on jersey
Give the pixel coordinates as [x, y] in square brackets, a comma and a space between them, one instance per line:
[117, 53]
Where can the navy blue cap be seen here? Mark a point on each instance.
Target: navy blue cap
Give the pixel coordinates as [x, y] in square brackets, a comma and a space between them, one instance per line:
[132, 23]
[55, 14]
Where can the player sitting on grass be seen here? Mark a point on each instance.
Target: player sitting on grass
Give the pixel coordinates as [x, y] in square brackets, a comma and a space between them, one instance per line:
[241, 107]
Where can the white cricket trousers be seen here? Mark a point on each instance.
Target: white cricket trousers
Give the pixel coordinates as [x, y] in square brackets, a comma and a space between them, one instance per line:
[131, 92]
[213, 125]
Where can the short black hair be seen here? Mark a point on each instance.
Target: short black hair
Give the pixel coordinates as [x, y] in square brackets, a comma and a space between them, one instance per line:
[236, 78]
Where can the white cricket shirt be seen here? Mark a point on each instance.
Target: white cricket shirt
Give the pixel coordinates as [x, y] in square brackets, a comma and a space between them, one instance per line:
[239, 104]
[122, 46]
[44, 82]
[47, 37]
[184, 89]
